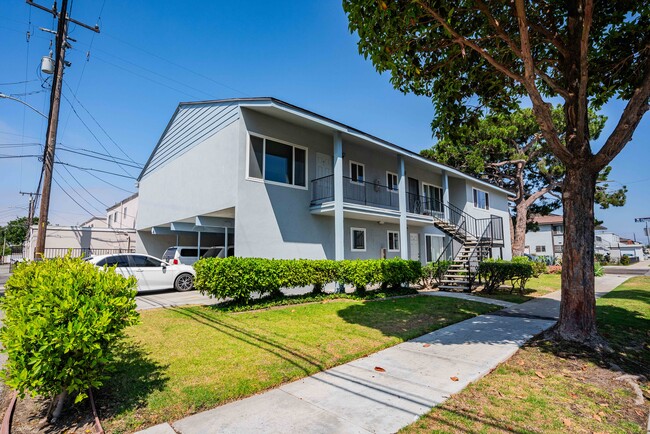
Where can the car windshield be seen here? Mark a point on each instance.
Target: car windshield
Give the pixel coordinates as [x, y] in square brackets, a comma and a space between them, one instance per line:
[169, 254]
[214, 252]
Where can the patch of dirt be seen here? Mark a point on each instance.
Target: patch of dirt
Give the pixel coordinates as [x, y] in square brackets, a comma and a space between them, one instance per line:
[29, 413]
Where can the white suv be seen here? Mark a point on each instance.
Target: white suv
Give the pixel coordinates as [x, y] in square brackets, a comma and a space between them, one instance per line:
[188, 255]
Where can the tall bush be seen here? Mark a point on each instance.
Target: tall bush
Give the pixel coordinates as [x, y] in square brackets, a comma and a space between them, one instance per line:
[496, 272]
[433, 272]
[63, 317]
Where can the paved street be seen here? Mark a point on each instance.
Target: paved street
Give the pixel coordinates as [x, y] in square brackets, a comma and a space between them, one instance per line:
[641, 268]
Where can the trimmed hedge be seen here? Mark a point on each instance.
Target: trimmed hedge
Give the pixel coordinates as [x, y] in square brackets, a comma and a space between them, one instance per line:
[63, 319]
[238, 278]
[495, 272]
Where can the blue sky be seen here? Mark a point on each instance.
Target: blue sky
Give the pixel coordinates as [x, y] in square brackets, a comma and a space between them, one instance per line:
[151, 55]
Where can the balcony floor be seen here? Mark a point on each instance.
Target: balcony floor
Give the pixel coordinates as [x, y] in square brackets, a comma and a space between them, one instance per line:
[365, 212]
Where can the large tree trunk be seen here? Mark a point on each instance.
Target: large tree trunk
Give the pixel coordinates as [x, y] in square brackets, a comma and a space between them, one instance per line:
[578, 308]
[519, 229]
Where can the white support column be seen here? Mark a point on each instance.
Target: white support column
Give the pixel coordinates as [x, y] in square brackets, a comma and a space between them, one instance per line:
[198, 248]
[445, 194]
[401, 191]
[225, 243]
[339, 231]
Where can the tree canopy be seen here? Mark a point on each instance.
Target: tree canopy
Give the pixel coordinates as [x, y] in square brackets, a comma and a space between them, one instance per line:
[16, 231]
[510, 151]
[473, 57]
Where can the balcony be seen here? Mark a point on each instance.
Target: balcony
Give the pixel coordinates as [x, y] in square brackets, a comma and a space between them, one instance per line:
[374, 195]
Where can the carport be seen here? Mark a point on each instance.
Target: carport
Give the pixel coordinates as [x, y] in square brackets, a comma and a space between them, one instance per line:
[200, 231]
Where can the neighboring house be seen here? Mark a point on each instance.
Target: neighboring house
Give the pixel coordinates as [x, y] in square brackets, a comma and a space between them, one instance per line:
[278, 181]
[122, 215]
[608, 243]
[94, 222]
[548, 240]
[81, 241]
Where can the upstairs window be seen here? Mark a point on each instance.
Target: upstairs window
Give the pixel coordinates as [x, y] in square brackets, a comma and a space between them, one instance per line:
[391, 181]
[481, 199]
[357, 172]
[540, 249]
[277, 162]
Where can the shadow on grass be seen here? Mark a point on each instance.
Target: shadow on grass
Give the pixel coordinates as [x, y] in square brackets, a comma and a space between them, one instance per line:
[275, 300]
[413, 317]
[627, 332]
[265, 342]
[135, 378]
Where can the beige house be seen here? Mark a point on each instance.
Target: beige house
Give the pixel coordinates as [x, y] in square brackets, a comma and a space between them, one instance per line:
[95, 222]
[122, 215]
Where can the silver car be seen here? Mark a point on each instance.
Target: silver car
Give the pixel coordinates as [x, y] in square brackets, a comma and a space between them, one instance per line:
[151, 273]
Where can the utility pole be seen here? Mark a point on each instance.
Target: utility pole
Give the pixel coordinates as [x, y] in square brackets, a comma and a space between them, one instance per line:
[30, 216]
[53, 118]
[647, 231]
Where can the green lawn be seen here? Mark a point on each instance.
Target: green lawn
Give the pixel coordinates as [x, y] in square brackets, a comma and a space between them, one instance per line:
[557, 388]
[535, 287]
[187, 359]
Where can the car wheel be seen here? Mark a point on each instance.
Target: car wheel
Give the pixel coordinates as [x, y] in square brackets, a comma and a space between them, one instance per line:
[184, 282]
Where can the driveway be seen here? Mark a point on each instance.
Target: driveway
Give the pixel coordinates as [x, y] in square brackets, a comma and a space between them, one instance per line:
[641, 268]
[153, 300]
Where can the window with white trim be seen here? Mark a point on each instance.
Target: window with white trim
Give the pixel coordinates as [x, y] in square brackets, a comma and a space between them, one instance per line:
[391, 181]
[432, 196]
[357, 171]
[393, 241]
[481, 199]
[358, 239]
[277, 162]
[540, 249]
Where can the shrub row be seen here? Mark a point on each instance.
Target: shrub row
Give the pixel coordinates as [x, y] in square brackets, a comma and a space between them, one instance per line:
[495, 272]
[238, 278]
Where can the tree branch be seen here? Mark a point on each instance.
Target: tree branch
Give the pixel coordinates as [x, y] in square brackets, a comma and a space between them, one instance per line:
[548, 189]
[503, 163]
[540, 107]
[553, 39]
[632, 115]
[588, 11]
[463, 41]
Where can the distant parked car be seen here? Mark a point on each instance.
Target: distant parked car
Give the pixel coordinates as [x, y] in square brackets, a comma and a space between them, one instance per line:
[152, 273]
[188, 254]
[218, 252]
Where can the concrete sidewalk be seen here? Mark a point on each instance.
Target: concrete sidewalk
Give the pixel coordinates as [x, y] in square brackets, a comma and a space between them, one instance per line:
[413, 377]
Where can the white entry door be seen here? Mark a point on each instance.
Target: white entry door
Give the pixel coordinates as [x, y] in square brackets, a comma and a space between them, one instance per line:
[323, 186]
[323, 165]
[414, 251]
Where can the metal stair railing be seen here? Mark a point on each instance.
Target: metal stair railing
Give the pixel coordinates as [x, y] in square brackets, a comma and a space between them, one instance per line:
[483, 242]
[450, 244]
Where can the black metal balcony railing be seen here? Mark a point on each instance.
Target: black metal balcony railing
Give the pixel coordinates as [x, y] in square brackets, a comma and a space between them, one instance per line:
[378, 195]
[358, 192]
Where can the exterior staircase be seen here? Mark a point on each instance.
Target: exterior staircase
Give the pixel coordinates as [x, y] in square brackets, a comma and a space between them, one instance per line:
[473, 238]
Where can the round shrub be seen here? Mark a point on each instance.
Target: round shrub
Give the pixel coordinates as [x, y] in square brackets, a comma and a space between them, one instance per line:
[625, 260]
[63, 317]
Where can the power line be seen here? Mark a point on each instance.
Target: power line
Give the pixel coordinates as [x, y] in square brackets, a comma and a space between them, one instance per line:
[73, 199]
[99, 125]
[100, 158]
[90, 131]
[177, 65]
[109, 183]
[18, 82]
[84, 188]
[97, 170]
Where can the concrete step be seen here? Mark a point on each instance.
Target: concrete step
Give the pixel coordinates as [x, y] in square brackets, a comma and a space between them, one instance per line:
[453, 288]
